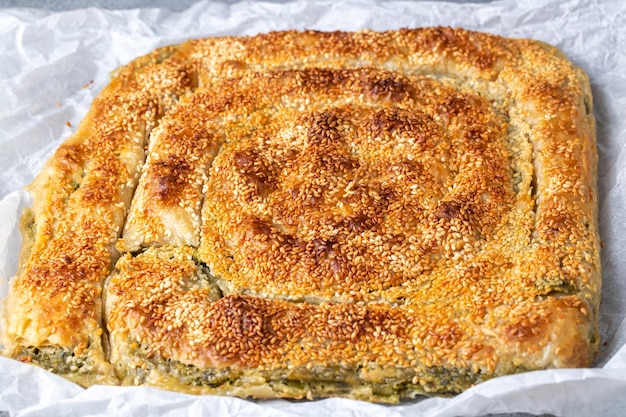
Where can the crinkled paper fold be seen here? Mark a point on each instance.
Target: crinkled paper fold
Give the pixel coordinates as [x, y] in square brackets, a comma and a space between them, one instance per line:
[53, 64]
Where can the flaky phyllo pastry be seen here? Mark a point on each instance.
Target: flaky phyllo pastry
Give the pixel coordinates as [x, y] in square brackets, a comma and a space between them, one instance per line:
[301, 214]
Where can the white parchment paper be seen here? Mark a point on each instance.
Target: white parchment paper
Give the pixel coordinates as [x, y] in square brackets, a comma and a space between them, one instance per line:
[53, 64]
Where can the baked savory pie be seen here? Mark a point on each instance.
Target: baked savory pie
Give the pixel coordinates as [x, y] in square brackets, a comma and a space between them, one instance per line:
[304, 214]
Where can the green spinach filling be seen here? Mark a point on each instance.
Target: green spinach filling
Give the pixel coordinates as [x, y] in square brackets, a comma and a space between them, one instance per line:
[316, 382]
[57, 360]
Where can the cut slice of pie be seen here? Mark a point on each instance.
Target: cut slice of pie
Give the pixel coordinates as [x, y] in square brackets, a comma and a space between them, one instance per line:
[368, 215]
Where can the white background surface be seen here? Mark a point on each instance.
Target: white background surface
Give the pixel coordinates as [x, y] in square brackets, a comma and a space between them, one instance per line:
[47, 63]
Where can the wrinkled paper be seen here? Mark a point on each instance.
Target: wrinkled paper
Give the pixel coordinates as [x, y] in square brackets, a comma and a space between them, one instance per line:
[53, 64]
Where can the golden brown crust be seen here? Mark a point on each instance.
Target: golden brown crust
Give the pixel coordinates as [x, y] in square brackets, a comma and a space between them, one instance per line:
[80, 203]
[441, 201]
[351, 186]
